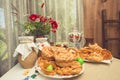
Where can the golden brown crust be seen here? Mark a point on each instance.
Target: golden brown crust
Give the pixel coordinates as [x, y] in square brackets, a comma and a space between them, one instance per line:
[75, 68]
[95, 57]
[106, 54]
[43, 65]
[47, 53]
[95, 53]
[66, 55]
[63, 60]
[72, 50]
[64, 64]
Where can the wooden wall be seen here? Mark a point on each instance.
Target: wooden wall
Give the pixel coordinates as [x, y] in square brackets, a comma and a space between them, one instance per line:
[93, 22]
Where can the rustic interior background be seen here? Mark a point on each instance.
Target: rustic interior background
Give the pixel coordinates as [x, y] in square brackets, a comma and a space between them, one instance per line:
[93, 23]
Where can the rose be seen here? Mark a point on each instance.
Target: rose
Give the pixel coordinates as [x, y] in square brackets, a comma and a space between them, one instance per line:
[43, 19]
[54, 25]
[44, 22]
[33, 17]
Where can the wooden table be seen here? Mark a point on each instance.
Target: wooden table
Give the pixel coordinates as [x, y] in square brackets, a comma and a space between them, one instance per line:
[93, 71]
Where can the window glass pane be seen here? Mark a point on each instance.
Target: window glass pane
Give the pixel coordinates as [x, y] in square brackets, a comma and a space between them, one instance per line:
[3, 44]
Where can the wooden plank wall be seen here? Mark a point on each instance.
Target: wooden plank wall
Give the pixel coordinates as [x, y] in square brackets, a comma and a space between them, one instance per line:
[93, 22]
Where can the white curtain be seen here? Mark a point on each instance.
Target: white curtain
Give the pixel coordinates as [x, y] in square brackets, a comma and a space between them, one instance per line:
[7, 36]
[68, 14]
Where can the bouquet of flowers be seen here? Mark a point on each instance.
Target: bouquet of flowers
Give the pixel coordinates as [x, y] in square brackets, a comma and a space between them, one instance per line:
[38, 25]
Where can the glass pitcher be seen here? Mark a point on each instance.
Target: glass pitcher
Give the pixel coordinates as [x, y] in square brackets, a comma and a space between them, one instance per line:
[76, 39]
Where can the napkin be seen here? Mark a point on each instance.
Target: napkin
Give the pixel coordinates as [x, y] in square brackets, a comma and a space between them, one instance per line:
[24, 49]
[41, 45]
[41, 42]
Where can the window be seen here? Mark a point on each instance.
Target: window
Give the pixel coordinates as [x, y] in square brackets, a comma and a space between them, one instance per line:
[68, 13]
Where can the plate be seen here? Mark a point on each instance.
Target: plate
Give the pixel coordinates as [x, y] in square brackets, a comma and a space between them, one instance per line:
[104, 61]
[59, 76]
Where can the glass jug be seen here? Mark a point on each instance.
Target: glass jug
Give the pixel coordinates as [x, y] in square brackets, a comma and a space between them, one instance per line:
[76, 39]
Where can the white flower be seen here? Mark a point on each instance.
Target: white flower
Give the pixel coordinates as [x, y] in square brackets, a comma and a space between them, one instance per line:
[37, 20]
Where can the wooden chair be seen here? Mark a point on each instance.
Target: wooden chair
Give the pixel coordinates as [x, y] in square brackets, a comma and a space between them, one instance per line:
[105, 39]
[89, 41]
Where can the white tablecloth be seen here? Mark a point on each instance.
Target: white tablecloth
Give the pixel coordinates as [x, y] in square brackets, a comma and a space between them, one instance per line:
[93, 71]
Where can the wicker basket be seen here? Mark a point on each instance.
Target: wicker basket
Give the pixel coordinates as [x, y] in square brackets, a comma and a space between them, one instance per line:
[29, 61]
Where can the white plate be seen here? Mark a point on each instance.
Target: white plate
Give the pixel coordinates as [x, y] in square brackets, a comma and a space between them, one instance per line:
[59, 76]
[104, 61]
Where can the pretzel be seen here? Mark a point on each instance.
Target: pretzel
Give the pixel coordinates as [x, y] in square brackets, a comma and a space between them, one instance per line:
[95, 53]
[43, 65]
[106, 54]
[62, 59]
[74, 68]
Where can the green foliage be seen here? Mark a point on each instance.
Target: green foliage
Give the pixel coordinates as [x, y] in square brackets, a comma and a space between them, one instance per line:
[3, 45]
[5, 57]
[2, 34]
[37, 28]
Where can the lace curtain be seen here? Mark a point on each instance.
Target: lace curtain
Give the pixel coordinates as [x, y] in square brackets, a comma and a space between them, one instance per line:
[7, 37]
[68, 14]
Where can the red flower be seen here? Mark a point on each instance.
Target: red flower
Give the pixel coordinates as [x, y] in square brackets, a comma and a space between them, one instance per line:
[33, 17]
[43, 19]
[77, 36]
[71, 36]
[42, 24]
[54, 24]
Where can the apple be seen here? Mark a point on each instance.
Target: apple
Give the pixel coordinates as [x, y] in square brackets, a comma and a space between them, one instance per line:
[49, 67]
[80, 60]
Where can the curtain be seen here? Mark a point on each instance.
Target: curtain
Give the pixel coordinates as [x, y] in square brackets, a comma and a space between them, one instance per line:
[68, 14]
[7, 37]
[69, 17]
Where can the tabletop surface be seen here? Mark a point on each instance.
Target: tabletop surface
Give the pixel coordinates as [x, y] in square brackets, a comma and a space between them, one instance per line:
[93, 71]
